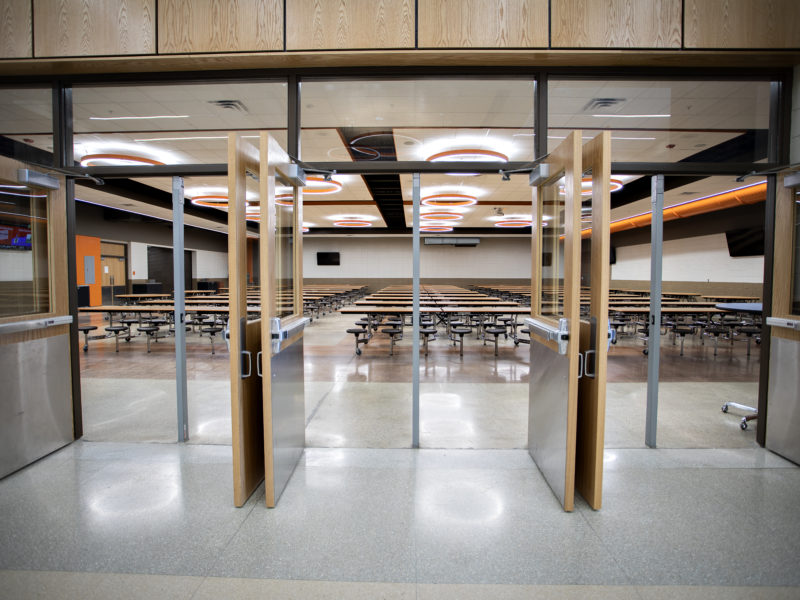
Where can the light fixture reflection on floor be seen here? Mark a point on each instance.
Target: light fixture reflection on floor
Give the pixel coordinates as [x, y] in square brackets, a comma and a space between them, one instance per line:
[284, 199]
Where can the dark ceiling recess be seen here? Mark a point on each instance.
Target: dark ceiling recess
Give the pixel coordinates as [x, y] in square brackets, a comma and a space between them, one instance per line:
[376, 145]
[751, 146]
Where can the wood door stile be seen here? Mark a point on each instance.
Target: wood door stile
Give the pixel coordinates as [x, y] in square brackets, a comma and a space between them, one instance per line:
[592, 390]
[270, 153]
[782, 263]
[246, 403]
[572, 257]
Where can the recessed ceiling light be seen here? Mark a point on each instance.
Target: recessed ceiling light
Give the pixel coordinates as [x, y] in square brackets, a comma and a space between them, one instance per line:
[138, 118]
[436, 228]
[632, 116]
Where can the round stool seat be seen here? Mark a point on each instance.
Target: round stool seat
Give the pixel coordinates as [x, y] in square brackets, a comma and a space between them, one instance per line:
[461, 330]
[211, 329]
[525, 330]
[392, 330]
[748, 330]
[504, 319]
[116, 328]
[355, 330]
[716, 330]
[683, 330]
[427, 330]
[494, 330]
[148, 328]
[129, 321]
[87, 328]
[456, 324]
[362, 323]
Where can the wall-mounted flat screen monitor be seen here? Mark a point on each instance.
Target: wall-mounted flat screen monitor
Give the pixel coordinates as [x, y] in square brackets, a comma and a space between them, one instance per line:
[327, 259]
[14, 237]
[745, 242]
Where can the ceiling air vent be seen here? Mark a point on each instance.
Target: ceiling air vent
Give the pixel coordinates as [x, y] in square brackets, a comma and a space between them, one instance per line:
[230, 105]
[596, 103]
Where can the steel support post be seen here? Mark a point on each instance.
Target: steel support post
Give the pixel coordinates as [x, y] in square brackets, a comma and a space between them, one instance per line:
[654, 322]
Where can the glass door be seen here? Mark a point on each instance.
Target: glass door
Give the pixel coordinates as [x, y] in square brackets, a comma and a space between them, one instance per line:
[556, 362]
[280, 362]
[36, 410]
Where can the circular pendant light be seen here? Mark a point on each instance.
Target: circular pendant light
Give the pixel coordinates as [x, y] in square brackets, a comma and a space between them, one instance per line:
[514, 223]
[468, 154]
[119, 160]
[444, 200]
[211, 201]
[435, 228]
[352, 223]
[284, 199]
[317, 185]
[441, 216]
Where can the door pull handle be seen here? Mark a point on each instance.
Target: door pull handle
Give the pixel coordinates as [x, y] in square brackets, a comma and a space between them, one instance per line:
[249, 356]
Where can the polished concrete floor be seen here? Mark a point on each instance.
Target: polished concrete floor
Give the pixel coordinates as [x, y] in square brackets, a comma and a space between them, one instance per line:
[475, 401]
[707, 515]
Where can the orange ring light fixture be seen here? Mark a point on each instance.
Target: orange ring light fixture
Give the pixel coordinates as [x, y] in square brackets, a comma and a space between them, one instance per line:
[211, 201]
[284, 199]
[445, 200]
[441, 216]
[514, 223]
[91, 160]
[306, 229]
[352, 223]
[318, 185]
[469, 154]
[436, 228]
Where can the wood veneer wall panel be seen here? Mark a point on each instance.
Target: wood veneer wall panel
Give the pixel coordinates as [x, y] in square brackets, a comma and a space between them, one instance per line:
[742, 24]
[219, 25]
[483, 23]
[16, 29]
[351, 24]
[616, 23]
[94, 27]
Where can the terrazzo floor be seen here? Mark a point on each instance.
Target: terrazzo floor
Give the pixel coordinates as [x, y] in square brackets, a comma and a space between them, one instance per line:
[707, 515]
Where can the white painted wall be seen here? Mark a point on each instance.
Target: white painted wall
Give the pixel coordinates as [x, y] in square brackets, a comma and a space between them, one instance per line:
[702, 258]
[138, 261]
[206, 264]
[16, 265]
[391, 258]
[210, 265]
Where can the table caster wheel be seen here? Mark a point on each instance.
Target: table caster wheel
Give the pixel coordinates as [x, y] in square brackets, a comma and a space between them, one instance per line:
[645, 351]
[743, 425]
[516, 342]
[358, 351]
[724, 408]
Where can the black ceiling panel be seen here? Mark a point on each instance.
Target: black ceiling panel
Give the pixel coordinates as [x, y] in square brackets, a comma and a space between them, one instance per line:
[374, 145]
